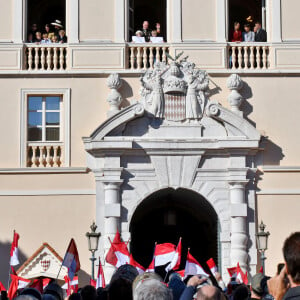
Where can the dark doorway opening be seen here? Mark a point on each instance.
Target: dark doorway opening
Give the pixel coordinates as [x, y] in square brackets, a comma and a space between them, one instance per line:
[169, 214]
[42, 12]
[239, 11]
[153, 11]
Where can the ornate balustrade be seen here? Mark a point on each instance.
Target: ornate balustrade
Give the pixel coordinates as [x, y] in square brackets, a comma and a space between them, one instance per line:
[252, 56]
[46, 57]
[44, 155]
[144, 56]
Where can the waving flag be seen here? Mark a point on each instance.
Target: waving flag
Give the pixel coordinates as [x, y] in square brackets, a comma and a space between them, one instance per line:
[240, 275]
[100, 277]
[16, 283]
[232, 272]
[212, 266]
[121, 253]
[175, 263]
[14, 259]
[135, 264]
[71, 260]
[40, 283]
[164, 253]
[111, 257]
[192, 267]
[2, 288]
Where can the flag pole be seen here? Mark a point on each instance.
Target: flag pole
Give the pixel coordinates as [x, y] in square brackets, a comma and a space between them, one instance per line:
[59, 270]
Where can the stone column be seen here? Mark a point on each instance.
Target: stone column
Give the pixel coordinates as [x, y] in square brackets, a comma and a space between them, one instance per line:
[18, 21]
[239, 236]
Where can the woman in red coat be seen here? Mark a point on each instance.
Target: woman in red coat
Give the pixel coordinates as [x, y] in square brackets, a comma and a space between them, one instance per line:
[237, 33]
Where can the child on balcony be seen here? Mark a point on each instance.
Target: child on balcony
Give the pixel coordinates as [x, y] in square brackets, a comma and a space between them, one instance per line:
[45, 39]
[38, 37]
[62, 38]
[237, 33]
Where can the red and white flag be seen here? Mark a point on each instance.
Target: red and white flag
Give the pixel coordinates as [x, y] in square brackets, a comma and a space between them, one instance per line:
[164, 253]
[2, 288]
[151, 268]
[122, 254]
[40, 284]
[70, 285]
[14, 252]
[111, 257]
[212, 266]
[175, 263]
[192, 266]
[93, 282]
[16, 283]
[71, 260]
[135, 264]
[261, 270]
[240, 275]
[100, 276]
[232, 272]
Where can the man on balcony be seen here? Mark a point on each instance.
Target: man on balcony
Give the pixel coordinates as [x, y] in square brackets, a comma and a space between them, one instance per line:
[146, 31]
[260, 34]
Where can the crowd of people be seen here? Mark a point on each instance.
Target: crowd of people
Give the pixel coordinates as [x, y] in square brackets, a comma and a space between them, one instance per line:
[52, 33]
[257, 35]
[126, 283]
[147, 35]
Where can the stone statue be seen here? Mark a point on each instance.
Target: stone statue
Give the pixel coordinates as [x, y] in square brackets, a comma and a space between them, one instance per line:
[192, 107]
[157, 94]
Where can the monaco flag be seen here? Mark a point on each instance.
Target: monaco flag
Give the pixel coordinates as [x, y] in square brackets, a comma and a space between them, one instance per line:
[111, 256]
[121, 253]
[71, 260]
[175, 263]
[40, 283]
[100, 277]
[232, 272]
[14, 259]
[135, 264]
[70, 286]
[164, 253]
[192, 267]
[2, 288]
[16, 283]
[240, 275]
[212, 266]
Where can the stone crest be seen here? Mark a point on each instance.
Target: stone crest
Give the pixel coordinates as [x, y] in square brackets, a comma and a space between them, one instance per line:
[176, 91]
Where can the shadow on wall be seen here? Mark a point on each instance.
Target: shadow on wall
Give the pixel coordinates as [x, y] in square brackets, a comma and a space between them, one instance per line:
[4, 261]
[272, 154]
[246, 106]
[126, 92]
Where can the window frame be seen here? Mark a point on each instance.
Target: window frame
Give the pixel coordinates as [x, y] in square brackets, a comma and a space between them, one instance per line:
[64, 121]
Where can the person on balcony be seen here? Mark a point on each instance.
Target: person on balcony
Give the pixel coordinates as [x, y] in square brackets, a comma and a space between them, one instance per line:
[146, 31]
[62, 38]
[47, 30]
[38, 37]
[260, 34]
[248, 35]
[45, 39]
[237, 33]
[57, 27]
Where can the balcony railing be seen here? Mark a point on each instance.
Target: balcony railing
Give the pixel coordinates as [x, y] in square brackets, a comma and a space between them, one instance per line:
[44, 155]
[252, 56]
[144, 56]
[47, 57]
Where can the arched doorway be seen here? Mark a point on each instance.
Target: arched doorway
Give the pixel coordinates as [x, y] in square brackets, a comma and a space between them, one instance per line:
[169, 214]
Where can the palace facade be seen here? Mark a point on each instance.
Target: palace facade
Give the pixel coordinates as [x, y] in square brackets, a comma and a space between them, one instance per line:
[141, 138]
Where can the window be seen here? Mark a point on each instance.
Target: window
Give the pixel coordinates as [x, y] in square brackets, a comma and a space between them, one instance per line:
[45, 128]
[154, 11]
[43, 118]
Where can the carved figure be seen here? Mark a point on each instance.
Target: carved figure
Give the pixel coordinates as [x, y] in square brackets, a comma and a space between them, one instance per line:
[193, 110]
[157, 95]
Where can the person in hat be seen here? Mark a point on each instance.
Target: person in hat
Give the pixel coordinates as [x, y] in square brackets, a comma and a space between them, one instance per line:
[57, 27]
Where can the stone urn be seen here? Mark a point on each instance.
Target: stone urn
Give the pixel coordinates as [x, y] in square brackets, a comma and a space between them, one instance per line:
[114, 98]
[235, 99]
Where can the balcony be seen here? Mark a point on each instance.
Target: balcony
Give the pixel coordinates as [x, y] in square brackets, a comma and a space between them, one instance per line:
[134, 58]
[44, 154]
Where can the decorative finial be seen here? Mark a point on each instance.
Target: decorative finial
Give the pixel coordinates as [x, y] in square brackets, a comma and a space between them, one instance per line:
[93, 227]
[235, 99]
[114, 98]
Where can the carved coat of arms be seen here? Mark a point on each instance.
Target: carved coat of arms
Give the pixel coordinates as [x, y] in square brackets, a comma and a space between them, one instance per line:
[175, 91]
[45, 264]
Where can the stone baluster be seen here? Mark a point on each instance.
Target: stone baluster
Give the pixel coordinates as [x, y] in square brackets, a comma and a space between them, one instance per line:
[48, 156]
[55, 58]
[246, 57]
[239, 236]
[48, 58]
[43, 59]
[259, 57]
[240, 57]
[29, 60]
[235, 99]
[139, 58]
[55, 156]
[61, 156]
[34, 158]
[157, 54]
[151, 57]
[41, 157]
[61, 58]
[36, 58]
[265, 58]
[132, 58]
[252, 57]
[234, 57]
[145, 57]
[164, 55]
